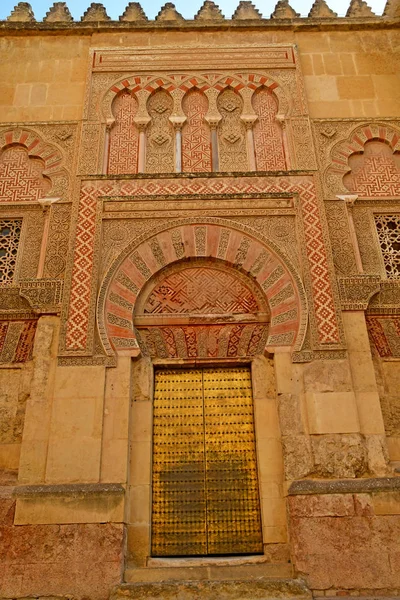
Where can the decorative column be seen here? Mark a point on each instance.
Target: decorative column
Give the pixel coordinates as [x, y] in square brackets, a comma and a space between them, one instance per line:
[249, 122]
[141, 125]
[109, 125]
[281, 120]
[349, 200]
[178, 124]
[213, 118]
[46, 204]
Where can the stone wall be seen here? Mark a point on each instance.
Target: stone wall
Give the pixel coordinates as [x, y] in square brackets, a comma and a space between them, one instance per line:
[76, 560]
[347, 542]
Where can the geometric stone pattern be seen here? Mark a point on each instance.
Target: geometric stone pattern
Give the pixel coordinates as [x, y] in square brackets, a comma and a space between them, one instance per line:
[124, 136]
[21, 178]
[267, 132]
[16, 340]
[388, 228]
[203, 290]
[334, 157]
[240, 340]
[209, 290]
[196, 139]
[160, 134]
[30, 167]
[384, 331]
[10, 232]
[76, 336]
[375, 173]
[58, 241]
[235, 248]
[231, 133]
[321, 289]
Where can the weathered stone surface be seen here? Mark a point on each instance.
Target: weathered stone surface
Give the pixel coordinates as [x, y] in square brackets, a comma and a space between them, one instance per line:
[320, 10]
[260, 588]
[133, 12]
[339, 455]
[95, 12]
[209, 12]
[290, 414]
[59, 12]
[246, 10]
[77, 560]
[392, 9]
[332, 505]
[297, 456]
[22, 12]
[327, 376]
[377, 455]
[330, 552]
[283, 10]
[169, 13]
[359, 9]
[355, 486]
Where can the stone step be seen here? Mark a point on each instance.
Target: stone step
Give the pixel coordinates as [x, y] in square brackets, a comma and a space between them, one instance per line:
[208, 572]
[261, 588]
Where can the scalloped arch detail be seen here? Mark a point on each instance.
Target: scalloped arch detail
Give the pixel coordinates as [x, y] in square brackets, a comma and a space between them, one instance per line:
[262, 262]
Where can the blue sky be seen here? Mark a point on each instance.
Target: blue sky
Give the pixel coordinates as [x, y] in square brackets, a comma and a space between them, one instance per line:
[185, 7]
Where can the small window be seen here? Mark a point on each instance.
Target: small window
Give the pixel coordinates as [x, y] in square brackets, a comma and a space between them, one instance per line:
[10, 233]
[388, 228]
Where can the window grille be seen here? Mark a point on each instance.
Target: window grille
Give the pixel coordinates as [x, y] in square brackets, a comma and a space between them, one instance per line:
[388, 228]
[10, 233]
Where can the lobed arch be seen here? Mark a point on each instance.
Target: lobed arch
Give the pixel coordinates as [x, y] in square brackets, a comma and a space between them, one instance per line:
[50, 155]
[178, 85]
[355, 144]
[237, 246]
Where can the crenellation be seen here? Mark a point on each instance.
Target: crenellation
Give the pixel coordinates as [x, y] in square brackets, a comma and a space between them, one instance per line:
[59, 12]
[22, 12]
[134, 13]
[209, 12]
[359, 9]
[321, 10]
[283, 10]
[96, 12]
[169, 13]
[246, 11]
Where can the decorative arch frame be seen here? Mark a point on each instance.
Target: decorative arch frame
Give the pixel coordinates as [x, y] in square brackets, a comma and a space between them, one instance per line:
[36, 147]
[211, 238]
[354, 144]
[144, 86]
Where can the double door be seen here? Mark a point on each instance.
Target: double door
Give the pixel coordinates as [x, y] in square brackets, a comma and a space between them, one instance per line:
[205, 485]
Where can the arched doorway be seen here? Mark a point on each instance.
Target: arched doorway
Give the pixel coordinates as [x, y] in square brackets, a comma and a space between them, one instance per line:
[205, 491]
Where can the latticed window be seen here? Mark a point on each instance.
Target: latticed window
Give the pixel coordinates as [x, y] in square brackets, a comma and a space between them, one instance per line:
[10, 233]
[388, 227]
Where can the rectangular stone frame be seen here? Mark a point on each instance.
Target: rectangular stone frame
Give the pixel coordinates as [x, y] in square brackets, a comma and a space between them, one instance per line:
[268, 449]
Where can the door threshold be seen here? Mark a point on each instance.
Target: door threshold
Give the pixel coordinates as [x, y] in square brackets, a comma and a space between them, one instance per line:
[204, 561]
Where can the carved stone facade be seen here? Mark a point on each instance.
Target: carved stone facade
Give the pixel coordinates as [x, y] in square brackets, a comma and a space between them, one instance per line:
[183, 197]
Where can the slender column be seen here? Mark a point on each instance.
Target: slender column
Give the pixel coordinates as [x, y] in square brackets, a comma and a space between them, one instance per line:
[142, 149]
[178, 124]
[281, 120]
[249, 122]
[106, 149]
[349, 200]
[46, 204]
[214, 144]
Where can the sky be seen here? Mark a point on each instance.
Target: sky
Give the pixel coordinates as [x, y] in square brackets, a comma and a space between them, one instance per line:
[188, 8]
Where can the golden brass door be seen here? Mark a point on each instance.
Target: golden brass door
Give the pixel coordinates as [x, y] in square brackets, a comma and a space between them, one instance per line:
[205, 486]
